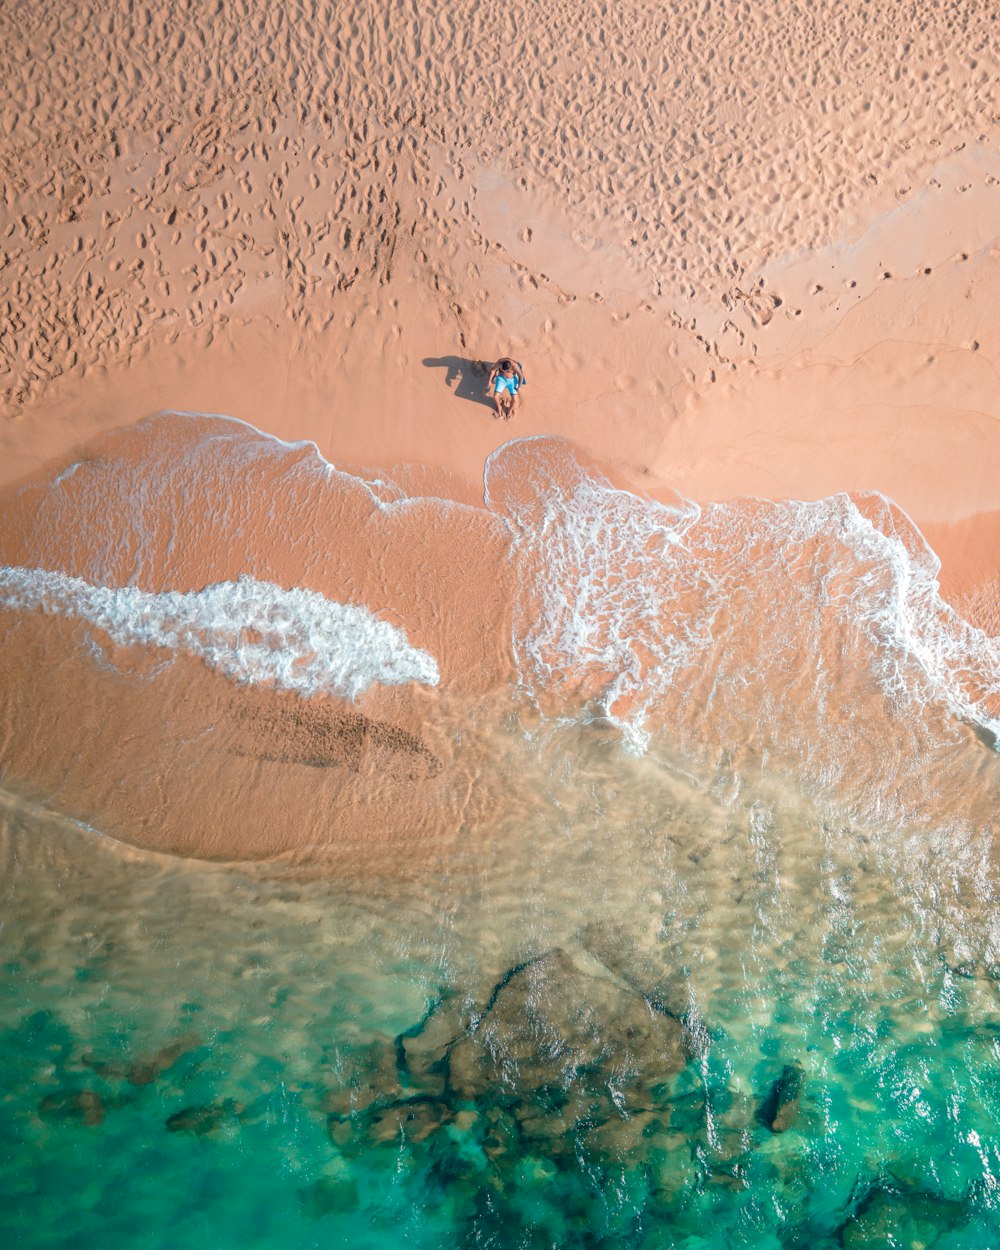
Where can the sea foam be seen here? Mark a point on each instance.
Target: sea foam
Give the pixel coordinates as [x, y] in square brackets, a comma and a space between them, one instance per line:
[737, 622]
[250, 631]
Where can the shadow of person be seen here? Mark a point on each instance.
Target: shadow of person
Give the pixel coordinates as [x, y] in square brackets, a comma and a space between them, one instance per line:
[467, 378]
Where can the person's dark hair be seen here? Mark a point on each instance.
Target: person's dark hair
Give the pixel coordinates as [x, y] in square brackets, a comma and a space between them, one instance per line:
[505, 364]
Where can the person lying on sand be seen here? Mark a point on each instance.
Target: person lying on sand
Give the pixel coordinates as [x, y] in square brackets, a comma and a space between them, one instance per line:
[506, 378]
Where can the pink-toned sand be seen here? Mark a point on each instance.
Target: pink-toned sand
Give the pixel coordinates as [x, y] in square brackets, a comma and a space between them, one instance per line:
[740, 250]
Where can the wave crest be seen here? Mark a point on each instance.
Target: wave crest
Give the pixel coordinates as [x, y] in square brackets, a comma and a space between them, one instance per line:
[251, 631]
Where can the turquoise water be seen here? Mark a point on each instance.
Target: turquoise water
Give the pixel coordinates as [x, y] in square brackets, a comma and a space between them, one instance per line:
[645, 1012]
[689, 938]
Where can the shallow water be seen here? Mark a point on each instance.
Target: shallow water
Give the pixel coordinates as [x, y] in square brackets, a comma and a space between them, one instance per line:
[221, 1056]
[702, 950]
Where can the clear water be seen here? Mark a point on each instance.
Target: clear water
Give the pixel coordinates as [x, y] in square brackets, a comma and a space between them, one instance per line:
[645, 1011]
[711, 958]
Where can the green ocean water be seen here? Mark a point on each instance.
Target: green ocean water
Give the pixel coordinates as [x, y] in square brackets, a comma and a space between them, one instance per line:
[646, 1012]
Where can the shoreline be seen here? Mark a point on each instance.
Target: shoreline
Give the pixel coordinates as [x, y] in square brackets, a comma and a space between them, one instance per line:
[784, 302]
[718, 449]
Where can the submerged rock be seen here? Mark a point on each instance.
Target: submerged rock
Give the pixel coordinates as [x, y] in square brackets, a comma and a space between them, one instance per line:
[549, 1029]
[403, 1120]
[330, 1195]
[890, 1217]
[202, 1120]
[502, 1138]
[620, 949]
[109, 1069]
[412, 1120]
[554, 1055]
[781, 1106]
[80, 1106]
[382, 1074]
[370, 1078]
[623, 1136]
[147, 1068]
[424, 1051]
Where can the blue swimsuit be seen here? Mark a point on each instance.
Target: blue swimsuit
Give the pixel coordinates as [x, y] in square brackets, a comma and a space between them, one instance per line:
[501, 384]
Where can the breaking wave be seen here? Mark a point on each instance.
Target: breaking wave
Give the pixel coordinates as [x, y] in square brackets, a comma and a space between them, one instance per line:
[748, 639]
[813, 631]
[251, 631]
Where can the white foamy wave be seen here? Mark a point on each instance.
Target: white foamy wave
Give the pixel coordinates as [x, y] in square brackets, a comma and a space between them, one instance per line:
[925, 651]
[594, 608]
[251, 631]
[815, 630]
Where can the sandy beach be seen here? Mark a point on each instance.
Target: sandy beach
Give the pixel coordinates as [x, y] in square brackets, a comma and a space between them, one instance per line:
[422, 828]
[738, 252]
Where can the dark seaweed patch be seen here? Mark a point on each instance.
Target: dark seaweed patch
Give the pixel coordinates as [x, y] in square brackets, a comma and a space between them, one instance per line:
[779, 1108]
[287, 729]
